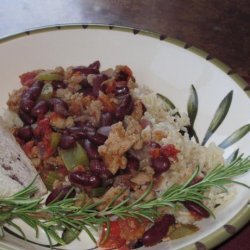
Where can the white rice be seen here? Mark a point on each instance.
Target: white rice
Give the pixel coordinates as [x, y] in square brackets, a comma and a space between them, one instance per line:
[190, 156]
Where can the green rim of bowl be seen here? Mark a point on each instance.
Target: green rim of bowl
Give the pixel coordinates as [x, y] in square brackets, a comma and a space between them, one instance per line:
[243, 216]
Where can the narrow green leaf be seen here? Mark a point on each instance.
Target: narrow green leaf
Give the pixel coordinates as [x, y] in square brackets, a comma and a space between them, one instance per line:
[219, 116]
[89, 233]
[235, 136]
[115, 198]
[233, 156]
[107, 232]
[191, 132]
[192, 107]
[150, 186]
[168, 102]
[17, 228]
[52, 233]
[31, 222]
[1, 232]
[33, 242]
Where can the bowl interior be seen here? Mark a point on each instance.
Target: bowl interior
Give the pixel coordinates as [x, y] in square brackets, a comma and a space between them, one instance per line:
[164, 67]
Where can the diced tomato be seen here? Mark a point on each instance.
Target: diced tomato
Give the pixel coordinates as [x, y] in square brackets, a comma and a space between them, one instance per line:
[44, 132]
[123, 231]
[114, 239]
[132, 229]
[42, 128]
[27, 79]
[170, 151]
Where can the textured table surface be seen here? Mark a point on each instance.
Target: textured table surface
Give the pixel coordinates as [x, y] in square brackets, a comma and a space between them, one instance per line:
[220, 27]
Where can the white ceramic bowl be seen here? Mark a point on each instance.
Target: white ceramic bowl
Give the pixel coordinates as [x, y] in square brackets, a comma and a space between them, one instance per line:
[163, 64]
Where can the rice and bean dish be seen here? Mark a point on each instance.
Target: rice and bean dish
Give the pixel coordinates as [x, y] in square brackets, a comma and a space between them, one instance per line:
[101, 133]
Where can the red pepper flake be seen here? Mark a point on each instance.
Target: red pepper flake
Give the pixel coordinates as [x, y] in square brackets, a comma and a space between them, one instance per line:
[170, 151]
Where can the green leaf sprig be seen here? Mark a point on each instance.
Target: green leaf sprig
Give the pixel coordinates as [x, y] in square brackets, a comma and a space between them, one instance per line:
[65, 216]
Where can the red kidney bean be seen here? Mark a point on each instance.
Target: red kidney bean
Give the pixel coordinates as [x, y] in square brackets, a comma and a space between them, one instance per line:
[124, 108]
[98, 168]
[38, 84]
[57, 84]
[79, 178]
[86, 129]
[158, 231]
[133, 163]
[160, 164]
[107, 182]
[84, 83]
[97, 81]
[153, 144]
[144, 123]
[60, 193]
[86, 88]
[95, 65]
[34, 91]
[121, 84]
[26, 105]
[59, 106]
[121, 76]
[85, 70]
[137, 244]
[41, 108]
[106, 119]
[96, 138]
[76, 132]
[194, 207]
[26, 118]
[54, 101]
[61, 110]
[91, 148]
[104, 131]
[67, 141]
[25, 133]
[84, 179]
[94, 181]
[120, 91]
[81, 131]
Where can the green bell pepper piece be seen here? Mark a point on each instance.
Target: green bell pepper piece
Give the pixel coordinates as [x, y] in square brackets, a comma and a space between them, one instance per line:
[47, 91]
[49, 76]
[74, 156]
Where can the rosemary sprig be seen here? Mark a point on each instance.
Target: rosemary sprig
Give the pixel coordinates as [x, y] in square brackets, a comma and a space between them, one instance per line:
[65, 215]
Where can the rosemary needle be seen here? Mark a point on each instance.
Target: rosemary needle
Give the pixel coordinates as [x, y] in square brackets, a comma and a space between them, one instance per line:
[65, 215]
